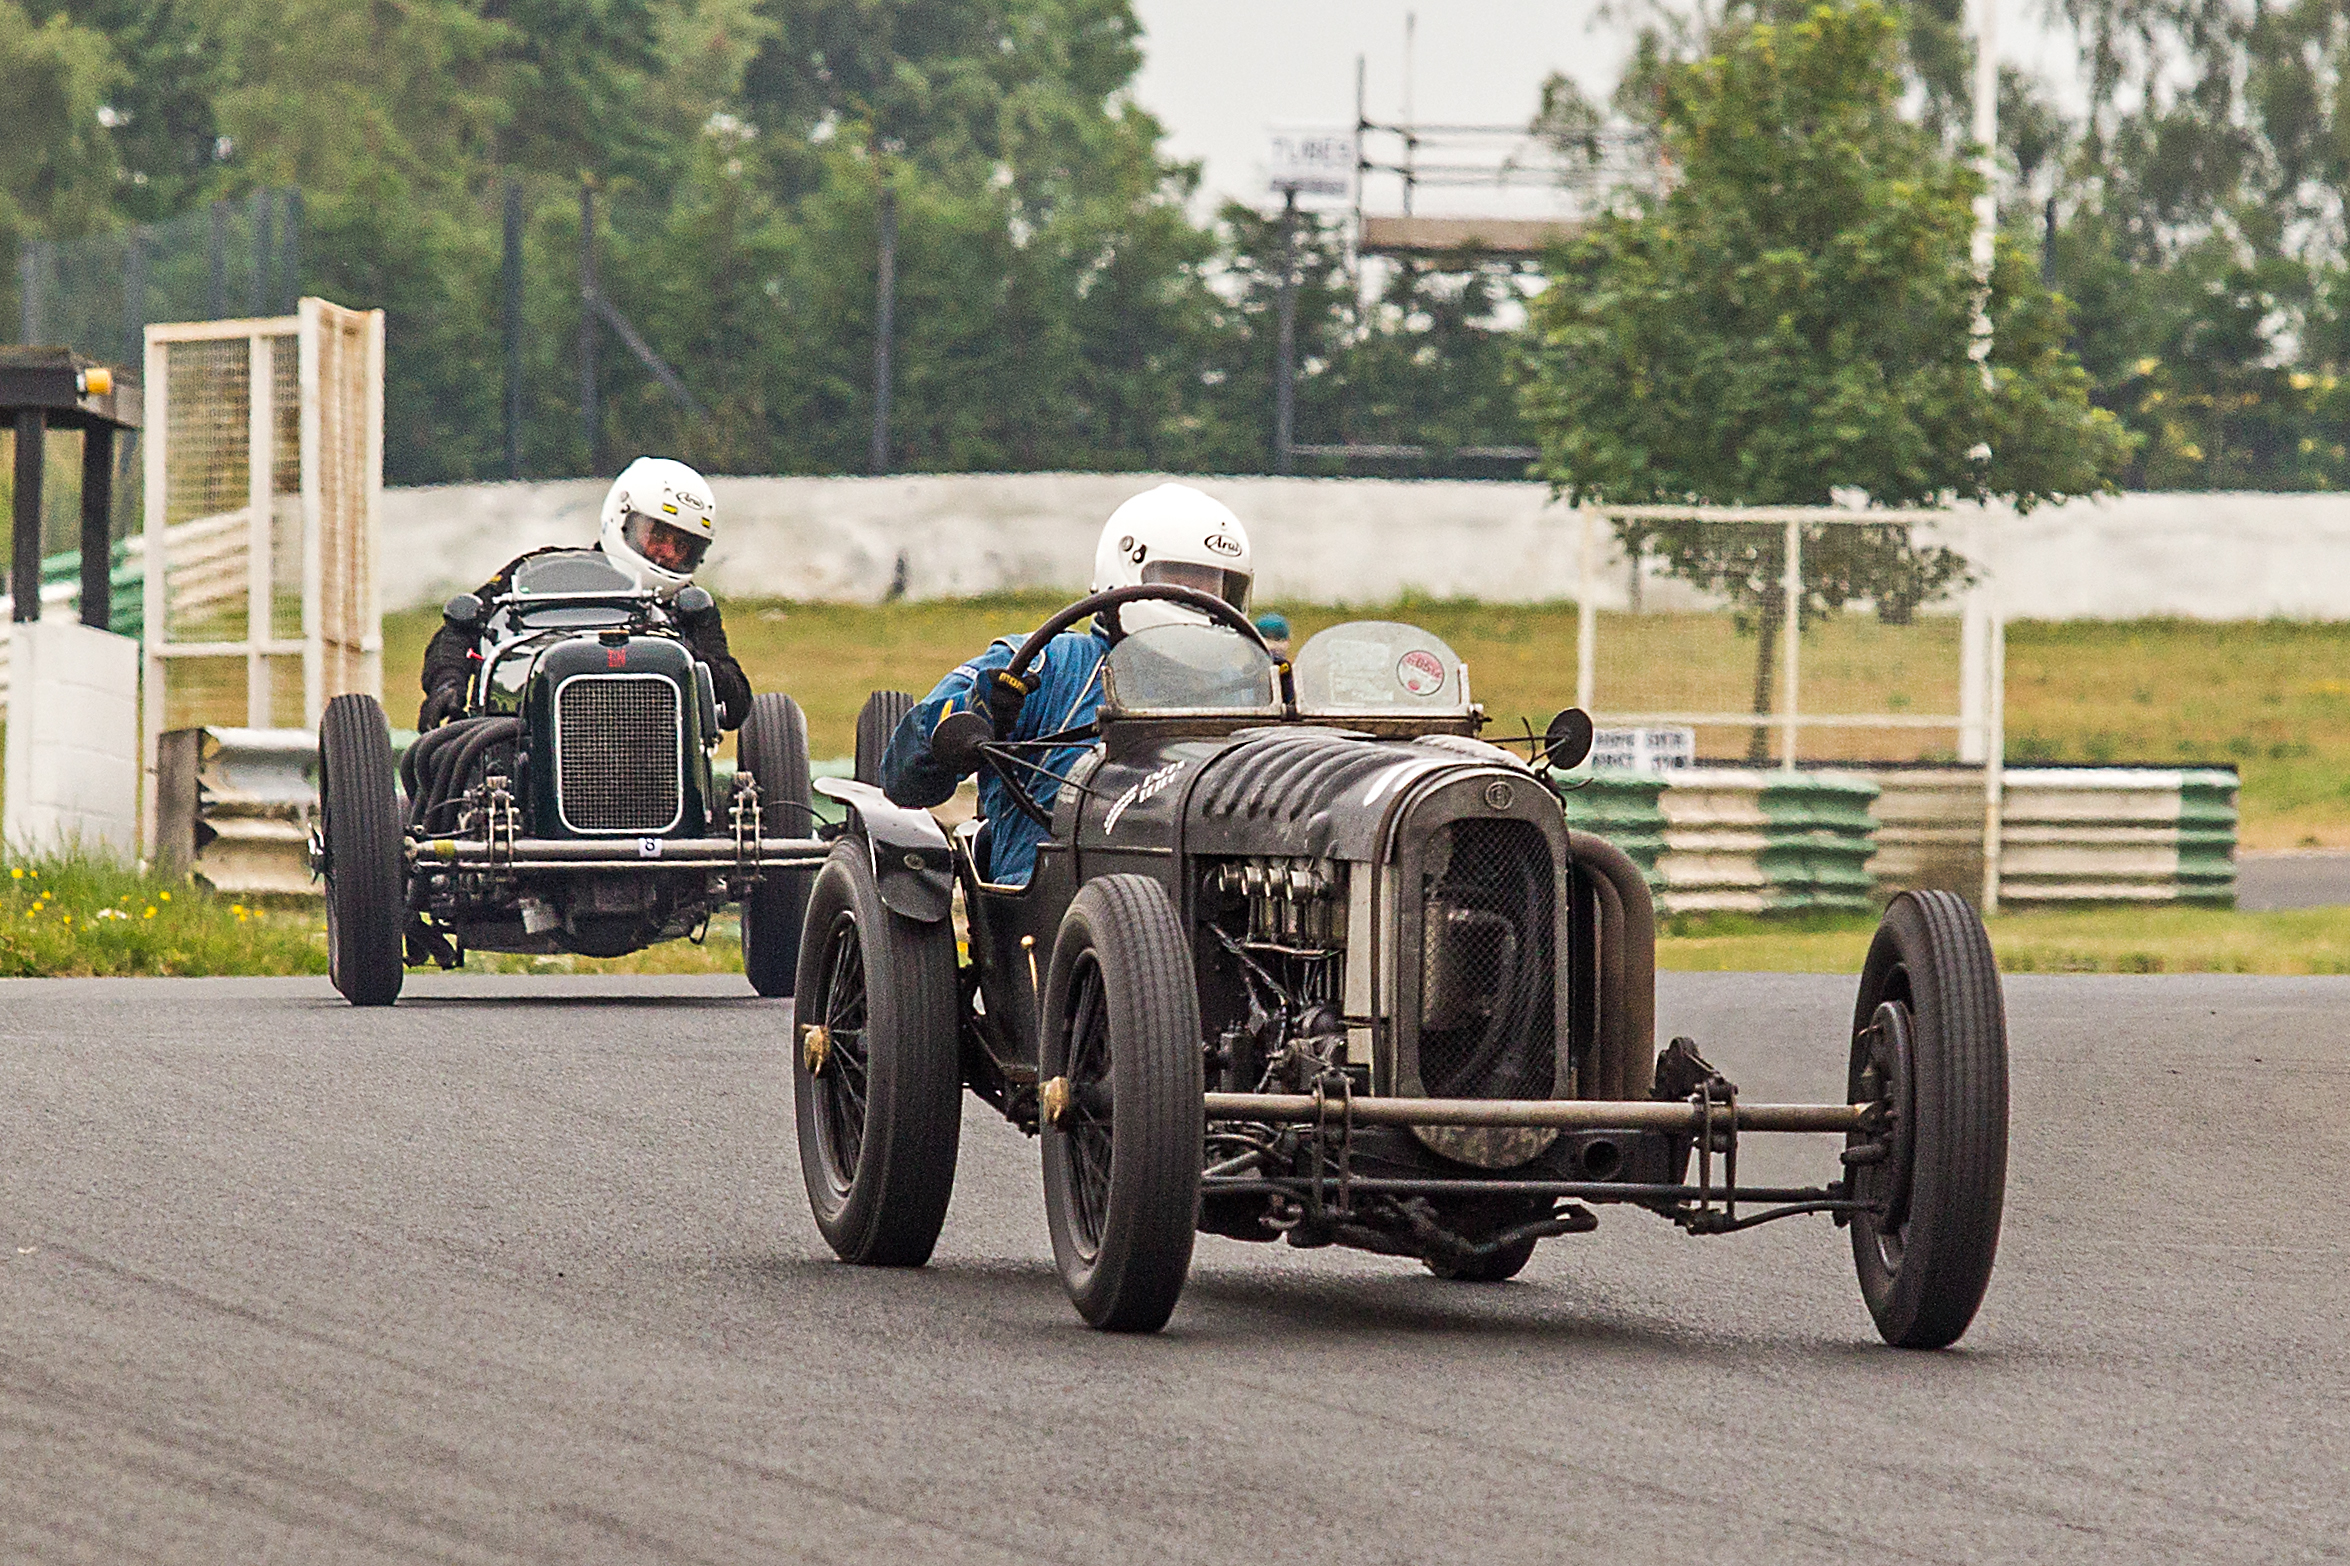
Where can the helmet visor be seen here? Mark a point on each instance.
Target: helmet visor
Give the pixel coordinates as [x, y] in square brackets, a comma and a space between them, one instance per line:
[664, 543]
[1231, 586]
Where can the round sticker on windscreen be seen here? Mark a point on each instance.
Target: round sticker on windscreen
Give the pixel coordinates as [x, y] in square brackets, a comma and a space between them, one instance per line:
[1421, 672]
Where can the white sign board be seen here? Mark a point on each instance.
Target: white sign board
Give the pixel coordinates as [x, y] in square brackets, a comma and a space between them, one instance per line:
[1652, 751]
[1317, 164]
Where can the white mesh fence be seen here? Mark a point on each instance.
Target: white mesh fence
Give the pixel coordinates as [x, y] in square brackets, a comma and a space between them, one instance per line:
[263, 481]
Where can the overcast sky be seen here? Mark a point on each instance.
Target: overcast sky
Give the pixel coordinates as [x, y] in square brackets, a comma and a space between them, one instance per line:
[1218, 72]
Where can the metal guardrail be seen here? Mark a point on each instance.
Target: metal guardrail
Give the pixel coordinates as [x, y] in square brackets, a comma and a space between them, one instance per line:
[235, 806]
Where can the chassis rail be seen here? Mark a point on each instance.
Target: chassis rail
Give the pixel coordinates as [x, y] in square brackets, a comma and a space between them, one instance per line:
[1578, 1114]
[622, 853]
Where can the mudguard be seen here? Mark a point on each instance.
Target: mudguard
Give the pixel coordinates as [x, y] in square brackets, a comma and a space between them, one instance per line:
[912, 865]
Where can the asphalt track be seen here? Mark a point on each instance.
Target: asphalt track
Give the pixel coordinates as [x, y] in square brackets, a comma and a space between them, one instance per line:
[522, 1271]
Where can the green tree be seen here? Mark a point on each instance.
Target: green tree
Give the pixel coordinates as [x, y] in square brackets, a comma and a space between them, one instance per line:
[1794, 317]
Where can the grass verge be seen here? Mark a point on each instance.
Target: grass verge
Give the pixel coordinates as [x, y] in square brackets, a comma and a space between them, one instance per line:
[78, 916]
[2088, 940]
[2272, 697]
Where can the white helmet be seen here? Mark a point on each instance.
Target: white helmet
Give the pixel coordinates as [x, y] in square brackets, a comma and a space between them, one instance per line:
[658, 519]
[1178, 535]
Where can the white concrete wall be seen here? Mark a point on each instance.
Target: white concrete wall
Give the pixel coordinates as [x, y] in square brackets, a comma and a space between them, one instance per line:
[73, 739]
[2224, 557]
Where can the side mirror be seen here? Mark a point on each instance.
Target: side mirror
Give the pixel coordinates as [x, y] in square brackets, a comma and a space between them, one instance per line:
[462, 611]
[1568, 739]
[693, 600]
[955, 743]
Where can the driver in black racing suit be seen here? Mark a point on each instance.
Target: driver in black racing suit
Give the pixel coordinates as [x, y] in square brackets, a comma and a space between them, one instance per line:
[657, 523]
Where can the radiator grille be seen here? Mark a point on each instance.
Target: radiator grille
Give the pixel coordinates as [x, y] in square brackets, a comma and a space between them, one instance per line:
[619, 754]
[1488, 1023]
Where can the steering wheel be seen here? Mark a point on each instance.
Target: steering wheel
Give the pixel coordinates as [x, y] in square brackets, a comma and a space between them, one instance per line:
[1094, 603]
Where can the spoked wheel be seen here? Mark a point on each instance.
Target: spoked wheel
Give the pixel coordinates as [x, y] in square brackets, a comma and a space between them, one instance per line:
[1929, 1039]
[1121, 1107]
[882, 713]
[773, 750]
[359, 828]
[876, 1079]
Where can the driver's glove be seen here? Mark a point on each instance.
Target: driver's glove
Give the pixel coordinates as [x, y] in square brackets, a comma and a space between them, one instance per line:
[446, 702]
[1007, 693]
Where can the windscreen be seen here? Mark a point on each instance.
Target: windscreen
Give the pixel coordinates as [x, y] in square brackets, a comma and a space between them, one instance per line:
[1187, 668]
[1373, 667]
[572, 573]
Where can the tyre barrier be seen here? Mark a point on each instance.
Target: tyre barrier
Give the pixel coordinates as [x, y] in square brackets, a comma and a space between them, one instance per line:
[2118, 834]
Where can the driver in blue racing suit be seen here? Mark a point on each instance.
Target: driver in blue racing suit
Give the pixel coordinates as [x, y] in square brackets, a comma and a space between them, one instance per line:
[1172, 534]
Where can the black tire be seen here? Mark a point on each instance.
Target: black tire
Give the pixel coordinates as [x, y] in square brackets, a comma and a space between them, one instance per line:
[1925, 1264]
[773, 748]
[359, 821]
[1499, 1267]
[1122, 1169]
[875, 724]
[881, 1120]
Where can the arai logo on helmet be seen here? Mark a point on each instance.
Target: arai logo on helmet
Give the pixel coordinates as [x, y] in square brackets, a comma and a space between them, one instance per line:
[1222, 544]
[1421, 672]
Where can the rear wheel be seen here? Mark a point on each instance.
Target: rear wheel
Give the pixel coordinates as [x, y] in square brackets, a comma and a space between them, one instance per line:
[1930, 1039]
[773, 750]
[359, 821]
[1122, 1144]
[877, 1081]
[883, 711]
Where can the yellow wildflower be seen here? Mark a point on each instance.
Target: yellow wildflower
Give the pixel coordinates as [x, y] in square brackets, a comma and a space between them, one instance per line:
[150, 911]
[16, 872]
[166, 896]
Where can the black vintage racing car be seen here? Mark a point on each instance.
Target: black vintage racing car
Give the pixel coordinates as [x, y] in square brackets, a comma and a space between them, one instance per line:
[574, 808]
[1304, 959]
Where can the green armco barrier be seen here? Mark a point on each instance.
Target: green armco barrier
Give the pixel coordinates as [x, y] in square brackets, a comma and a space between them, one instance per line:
[1621, 807]
[126, 613]
[1747, 840]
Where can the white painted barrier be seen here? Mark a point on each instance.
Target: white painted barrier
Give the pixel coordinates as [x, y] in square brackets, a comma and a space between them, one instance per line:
[73, 740]
[2201, 556]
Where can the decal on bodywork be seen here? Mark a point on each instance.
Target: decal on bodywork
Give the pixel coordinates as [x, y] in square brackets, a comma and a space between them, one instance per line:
[1149, 788]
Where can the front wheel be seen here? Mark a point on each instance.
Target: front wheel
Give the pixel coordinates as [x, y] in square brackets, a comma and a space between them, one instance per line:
[1930, 1042]
[359, 824]
[773, 750]
[877, 1080]
[1123, 1124]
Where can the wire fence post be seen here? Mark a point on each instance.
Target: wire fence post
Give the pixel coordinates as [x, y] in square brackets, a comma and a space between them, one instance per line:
[885, 309]
[510, 324]
[28, 299]
[216, 263]
[1285, 369]
[1791, 584]
[1995, 725]
[1587, 613]
[589, 422]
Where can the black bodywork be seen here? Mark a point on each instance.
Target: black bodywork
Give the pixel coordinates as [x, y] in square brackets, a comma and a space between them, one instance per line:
[589, 722]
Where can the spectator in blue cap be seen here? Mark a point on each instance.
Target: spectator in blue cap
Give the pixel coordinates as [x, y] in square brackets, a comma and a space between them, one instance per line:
[1274, 628]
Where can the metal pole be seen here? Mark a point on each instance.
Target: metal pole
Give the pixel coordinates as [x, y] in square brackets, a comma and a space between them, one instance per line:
[134, 297]
[290, 273]
[511, 325]
[264, 242]
[97, 525]
[216, 261]
[24, 568]
[1587, 613]
[1995, 740]
[885, 309]
[1285, 368]
[1791, 583]
[589, 421]
[28, 284]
